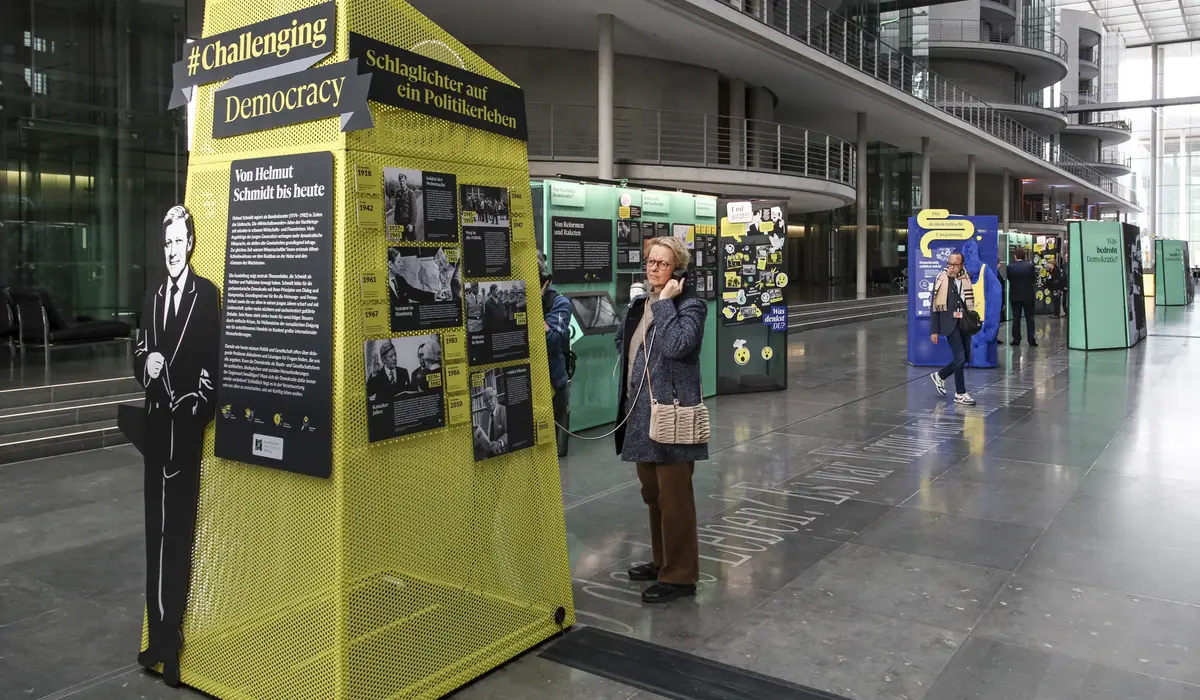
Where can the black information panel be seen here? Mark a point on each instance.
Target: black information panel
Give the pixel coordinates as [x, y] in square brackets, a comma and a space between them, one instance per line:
[275, 395]
[581, 250]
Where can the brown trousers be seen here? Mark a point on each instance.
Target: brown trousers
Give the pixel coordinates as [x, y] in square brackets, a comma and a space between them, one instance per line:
[667, 489]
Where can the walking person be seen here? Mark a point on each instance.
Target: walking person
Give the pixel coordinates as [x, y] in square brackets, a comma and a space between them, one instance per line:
[659, 342]
[1022, 282]
[952, 298]
[1056, 284]
[557, 310]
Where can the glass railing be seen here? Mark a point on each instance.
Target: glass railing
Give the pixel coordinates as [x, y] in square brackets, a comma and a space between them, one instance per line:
[853, 46]
[968, 30]
[661, 137]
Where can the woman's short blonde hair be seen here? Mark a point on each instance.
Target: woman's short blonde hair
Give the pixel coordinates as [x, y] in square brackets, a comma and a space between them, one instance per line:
[681, 255]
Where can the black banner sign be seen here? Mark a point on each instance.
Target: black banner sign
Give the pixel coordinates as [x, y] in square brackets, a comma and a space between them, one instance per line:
[581, 250]
[297, 40]
[294, 98]
[411, 81]
[276, 390]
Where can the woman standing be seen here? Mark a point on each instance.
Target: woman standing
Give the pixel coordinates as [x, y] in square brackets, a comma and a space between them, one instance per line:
[659, 344]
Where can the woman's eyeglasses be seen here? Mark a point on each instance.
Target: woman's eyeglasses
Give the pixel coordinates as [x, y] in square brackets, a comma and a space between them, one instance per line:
[652, 264]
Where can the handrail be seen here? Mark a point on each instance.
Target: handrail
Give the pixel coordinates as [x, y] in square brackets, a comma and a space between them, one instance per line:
[1091, 54]
[1083, 97]
[662, 137]
[1116, 158]
[973, 30]
[1015, 95]
[809, 22]
[1104, 120]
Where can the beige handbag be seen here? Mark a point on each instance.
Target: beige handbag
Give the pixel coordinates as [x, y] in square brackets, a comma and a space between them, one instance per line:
[672, 424]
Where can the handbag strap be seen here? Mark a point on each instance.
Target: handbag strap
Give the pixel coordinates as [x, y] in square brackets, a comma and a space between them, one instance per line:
[646, 348]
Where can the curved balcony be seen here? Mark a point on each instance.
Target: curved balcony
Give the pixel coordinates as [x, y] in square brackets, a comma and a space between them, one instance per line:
[856, 47]
[1089, 62]
[998, 10]
[1039, 110]
[1083, 97]
[1038, 54]
[1107, 127]
[1114, 163]
[705, 152]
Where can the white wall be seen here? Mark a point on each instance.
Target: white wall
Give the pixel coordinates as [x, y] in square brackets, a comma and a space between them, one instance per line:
[559, 76]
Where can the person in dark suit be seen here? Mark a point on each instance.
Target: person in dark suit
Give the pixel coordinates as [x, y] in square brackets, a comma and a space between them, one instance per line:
[388, 381]
[1022, 280]
[429, 357]
[494, 316]
[491, 428]
[175, 359]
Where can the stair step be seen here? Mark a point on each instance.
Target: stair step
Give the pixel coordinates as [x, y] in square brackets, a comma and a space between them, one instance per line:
[25, 419]
[62, 440]
[813, 325]
[69, 391]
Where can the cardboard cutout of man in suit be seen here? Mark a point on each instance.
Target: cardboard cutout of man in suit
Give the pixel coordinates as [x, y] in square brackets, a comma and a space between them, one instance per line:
[176, 359]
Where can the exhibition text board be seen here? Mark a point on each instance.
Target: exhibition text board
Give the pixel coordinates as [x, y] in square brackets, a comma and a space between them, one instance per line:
[574, 215]
[752, 326]
[407, 430]
[1173, 274]
[933, 236]
[1105, 285]
[275, 389]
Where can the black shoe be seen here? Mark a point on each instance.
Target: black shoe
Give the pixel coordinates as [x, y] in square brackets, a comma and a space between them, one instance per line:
[171, 670]
[149, 658]
[1032, 344]
[666, 592]
[644, 572]
[1015, 343]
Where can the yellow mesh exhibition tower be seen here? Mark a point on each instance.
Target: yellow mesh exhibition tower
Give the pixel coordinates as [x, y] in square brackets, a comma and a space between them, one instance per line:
[413, 568]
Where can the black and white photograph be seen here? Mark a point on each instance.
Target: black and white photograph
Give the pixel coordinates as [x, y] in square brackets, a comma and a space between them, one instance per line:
[420, 206]
[424, 288]
[497, 328]
[501, 411]
[487, 231]
[404, 386]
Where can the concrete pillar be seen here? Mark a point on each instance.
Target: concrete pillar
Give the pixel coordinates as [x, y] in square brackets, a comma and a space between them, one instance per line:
[1071, 205]
[761, 107]
[1087, 210]
[1006, 198]
[604, 100]
[971, 184]
[861, 197]
[1153, 193]
[737, 122]
[1053, 205]
[924, 172]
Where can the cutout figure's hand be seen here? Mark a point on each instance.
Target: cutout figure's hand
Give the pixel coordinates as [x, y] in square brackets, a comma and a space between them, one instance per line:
[188, 403]
[154, 364]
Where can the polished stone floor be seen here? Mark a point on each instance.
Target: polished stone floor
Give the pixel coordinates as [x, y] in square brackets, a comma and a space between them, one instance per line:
[860, 535]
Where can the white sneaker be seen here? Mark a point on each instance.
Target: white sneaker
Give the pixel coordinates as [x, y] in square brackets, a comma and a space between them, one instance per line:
[964, 399]
[939, 383]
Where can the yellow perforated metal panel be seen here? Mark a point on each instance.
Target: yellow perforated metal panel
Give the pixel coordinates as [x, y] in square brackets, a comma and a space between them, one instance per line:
[413, 569]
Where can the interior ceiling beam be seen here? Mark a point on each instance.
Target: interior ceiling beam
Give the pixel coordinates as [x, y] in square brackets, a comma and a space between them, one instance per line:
[1183, 14]
[1145, 24]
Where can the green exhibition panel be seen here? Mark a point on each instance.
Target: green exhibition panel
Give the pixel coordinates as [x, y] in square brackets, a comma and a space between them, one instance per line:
[1173, 285]
[1105, 284]
[594, 236]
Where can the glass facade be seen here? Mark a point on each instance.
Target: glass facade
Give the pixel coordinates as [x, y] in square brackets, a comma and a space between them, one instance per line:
[1178, 196]
[822, 246]
[92, 159]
